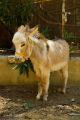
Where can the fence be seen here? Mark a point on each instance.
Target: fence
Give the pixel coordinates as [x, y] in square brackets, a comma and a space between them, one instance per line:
[49, 13]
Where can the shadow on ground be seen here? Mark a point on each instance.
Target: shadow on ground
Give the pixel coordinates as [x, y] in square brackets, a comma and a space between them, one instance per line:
[19, 103]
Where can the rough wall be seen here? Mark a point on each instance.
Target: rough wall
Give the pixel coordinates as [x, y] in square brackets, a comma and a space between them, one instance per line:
[9, 76]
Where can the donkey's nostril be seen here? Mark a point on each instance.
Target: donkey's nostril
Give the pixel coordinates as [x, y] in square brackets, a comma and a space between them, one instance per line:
[17, 59]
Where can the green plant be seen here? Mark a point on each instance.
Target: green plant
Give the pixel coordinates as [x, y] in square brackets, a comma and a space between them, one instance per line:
[68, 35]
[73, 48]
[14, 12]
[24, 67]
[46, 31]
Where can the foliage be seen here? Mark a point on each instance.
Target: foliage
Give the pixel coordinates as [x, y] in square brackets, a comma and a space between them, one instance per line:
[15, 12]
[73, 48]
[46, 31]
[28, 105]
[24, 67]
[68, 35]
[71, 37]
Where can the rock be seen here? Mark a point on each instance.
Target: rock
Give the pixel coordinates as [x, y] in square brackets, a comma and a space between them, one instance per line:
[73, 100]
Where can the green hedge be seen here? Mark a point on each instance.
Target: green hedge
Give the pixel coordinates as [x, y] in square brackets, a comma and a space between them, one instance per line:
[16, 12]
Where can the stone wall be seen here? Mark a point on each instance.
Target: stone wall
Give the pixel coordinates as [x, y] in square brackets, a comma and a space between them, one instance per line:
[10, 76]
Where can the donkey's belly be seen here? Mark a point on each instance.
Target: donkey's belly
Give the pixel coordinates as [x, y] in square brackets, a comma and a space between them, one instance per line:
[58, 66]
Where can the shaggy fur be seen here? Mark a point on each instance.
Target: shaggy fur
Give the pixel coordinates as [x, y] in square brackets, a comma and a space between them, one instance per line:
[44, 60]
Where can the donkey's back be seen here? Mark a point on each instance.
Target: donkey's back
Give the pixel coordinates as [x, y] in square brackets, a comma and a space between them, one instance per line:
[58, 54]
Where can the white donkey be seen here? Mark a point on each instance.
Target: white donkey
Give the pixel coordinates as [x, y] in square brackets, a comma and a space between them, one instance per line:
[46, 56]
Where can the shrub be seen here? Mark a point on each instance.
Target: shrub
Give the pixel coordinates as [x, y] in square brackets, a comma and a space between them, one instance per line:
[16, 12]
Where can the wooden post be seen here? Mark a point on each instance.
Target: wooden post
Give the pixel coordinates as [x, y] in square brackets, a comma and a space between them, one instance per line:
[63, 17]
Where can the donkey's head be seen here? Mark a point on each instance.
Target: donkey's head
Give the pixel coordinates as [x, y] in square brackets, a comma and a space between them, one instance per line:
[22, 42]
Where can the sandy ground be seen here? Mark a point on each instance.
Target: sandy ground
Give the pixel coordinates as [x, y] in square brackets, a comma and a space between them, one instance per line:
[19, 103]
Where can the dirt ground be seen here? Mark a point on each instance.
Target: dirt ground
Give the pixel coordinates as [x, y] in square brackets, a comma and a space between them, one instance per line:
[19, 103]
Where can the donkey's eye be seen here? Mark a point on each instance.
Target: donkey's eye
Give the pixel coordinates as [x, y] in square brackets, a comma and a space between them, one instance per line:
[22, 45]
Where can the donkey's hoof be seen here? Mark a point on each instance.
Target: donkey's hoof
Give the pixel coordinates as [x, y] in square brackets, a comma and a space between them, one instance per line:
[45, 97]
[63, 91]
[60, 90]
[38, 97]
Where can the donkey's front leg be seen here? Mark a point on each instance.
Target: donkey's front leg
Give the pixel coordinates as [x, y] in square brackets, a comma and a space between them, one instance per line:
[45, 87]
[39, 90]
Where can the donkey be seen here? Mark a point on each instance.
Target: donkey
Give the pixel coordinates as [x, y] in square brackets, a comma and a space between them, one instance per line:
[46, 56]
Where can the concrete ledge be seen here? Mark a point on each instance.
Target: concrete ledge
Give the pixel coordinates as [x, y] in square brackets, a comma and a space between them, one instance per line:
[9, 76]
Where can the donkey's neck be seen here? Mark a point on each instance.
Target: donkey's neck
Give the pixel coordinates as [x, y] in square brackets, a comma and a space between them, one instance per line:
[38, 52]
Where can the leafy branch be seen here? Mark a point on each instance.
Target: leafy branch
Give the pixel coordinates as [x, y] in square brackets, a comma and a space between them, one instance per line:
[24, 67]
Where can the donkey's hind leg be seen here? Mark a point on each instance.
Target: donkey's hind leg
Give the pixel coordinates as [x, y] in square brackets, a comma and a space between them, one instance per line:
[64, 71]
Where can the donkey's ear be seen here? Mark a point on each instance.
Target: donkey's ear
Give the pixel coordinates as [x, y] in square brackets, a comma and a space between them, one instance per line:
[27, 27]
[34, 31]
[32, 35]
[22, 28]
[36, 27]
